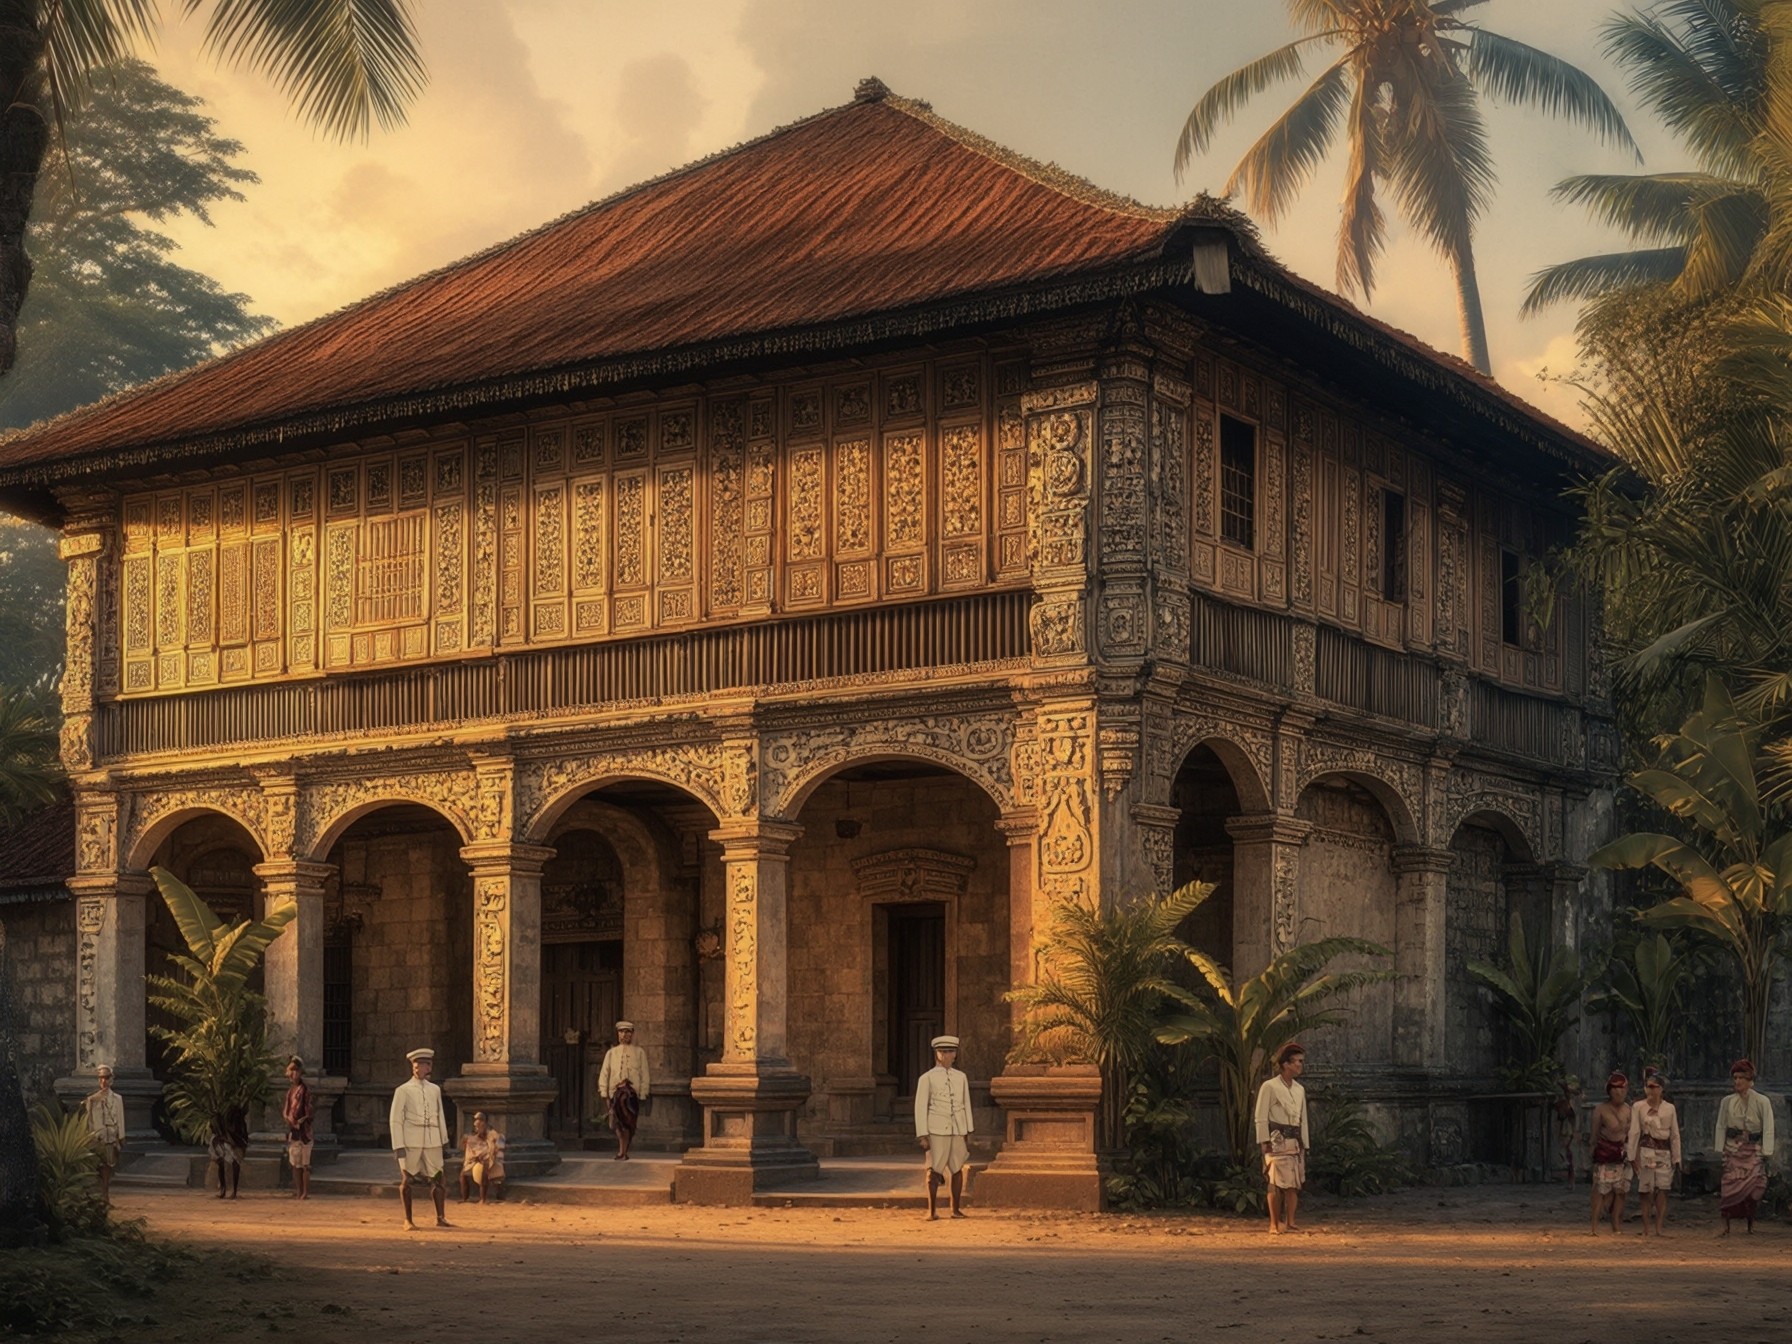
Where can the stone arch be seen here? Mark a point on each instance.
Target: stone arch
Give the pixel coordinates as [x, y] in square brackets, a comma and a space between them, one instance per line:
[1248, 781]
[327, 810]
[1387, 782]
[796, 766]
[548, 790]
[639, 848]
[1520, 827]
[156, 818]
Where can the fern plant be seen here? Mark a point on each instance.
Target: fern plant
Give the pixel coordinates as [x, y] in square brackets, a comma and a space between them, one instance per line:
[219, 1041]
[1539, 991]
[1349, 1157]
[67, 1171]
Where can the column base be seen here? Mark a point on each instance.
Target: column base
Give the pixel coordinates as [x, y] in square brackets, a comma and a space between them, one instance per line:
[749, 1137]
[515, 1099]
[140, 1092]
[1048, 1158]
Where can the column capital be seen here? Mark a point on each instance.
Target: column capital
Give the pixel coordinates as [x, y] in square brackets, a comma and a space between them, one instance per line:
[1422, 859]
[484, 856]
[110, 884]
[1020, 827]
[1274, 828]
[1151, 814]
[759, 837]
[297, 873]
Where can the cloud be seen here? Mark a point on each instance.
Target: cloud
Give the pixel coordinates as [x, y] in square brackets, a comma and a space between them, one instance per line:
[1539, 379]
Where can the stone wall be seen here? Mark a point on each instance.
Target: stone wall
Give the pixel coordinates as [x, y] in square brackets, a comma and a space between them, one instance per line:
[37, 992]
[1347, 890]
[1475, 929]
[838, 1028]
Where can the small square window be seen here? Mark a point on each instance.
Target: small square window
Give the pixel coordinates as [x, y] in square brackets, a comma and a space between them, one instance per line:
[1238, 482]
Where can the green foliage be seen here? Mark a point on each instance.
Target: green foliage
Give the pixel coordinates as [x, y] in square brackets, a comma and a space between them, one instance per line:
[108, 306]
[30, 767]
[1403, 88]
[1162, 1165]
[1105, 976]
[1647, 982]
[86, 1286]
[219, 1052]
[68, 1172]
[1348, 1157]
[1243, 1025]
[1540, 992]
[1736, 885]
[33, 628]
[1239, 1189]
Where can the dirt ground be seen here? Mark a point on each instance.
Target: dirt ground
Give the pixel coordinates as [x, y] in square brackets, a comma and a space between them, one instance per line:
[1480, 1264]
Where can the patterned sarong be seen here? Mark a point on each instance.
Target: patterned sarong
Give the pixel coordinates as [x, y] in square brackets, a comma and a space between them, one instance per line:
[625, 1108]
[1285, 1164]
[1745, 1175]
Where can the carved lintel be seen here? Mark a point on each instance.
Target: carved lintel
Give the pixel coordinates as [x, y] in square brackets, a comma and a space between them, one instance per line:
[913, 874]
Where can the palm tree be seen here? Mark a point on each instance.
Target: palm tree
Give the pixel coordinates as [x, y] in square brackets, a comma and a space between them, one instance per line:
[1704, 67]
[220, 1051]
[1244, 1024]
[29, 770]
[344, 63]
[1404, 86]
[1736, 886]
[1105, 976]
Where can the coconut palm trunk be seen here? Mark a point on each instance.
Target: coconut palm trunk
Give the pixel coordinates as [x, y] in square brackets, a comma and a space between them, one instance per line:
[24, 139]
[1468, 310]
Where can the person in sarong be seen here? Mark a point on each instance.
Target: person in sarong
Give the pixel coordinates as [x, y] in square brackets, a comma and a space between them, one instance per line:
[298, 1112]
[105, 1121]
[624, 1084]
[1610, 1133]
[1282, 1135]
[943, 1124]
[419, 1133]
[229, 1145]
[482, 1159]
[1654, 1149]
[1745, 1137]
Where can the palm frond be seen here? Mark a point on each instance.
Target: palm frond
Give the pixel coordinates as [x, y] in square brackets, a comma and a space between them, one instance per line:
[1523, 74]
[1284, 158]
[1717, 116]
[1362, 230]
[1220, 103]
[1595, 277]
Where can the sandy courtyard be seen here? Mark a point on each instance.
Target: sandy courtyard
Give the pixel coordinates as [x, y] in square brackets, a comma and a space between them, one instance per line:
[1425, 1265]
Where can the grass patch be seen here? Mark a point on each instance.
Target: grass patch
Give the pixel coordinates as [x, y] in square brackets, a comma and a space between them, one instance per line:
[86, 1286]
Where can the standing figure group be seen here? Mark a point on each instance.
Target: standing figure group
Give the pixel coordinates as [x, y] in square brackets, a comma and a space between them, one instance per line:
[1647, 1135]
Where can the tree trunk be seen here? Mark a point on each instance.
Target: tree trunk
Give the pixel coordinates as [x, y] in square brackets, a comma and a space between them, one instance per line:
[24, 137]
[1468, 311]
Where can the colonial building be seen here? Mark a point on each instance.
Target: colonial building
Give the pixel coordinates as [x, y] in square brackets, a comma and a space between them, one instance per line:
[750, 603]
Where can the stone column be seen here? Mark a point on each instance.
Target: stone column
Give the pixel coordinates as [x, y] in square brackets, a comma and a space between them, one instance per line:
[751, 1096]
[506, 1078]
[1021, 831]
[293, 974]
[111, 919]
[1421, 893]
[1265, 888]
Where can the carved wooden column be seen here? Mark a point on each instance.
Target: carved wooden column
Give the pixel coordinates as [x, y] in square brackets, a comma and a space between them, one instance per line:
[1265, 887]
[751, 1096]
[1421, 894]
[505, 1077]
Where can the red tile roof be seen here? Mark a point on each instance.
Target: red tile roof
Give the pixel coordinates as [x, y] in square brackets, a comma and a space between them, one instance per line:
[860, 211]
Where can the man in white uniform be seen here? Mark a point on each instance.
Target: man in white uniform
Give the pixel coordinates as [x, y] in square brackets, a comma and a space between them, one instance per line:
[943, 1123]
[624, 1084]
[419, 1133]
[1282, 1135]
[105, 1118]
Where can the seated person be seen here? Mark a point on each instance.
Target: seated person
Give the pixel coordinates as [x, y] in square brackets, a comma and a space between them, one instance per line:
[482, 1159]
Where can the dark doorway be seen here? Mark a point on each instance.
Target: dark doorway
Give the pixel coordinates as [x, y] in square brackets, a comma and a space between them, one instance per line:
[581, 998]
[917, 989]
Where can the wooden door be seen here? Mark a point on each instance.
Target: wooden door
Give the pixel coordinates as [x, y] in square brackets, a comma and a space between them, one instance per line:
[581, 998]
[917, 989]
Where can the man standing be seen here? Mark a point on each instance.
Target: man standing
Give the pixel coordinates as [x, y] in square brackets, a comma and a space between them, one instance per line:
[105, 1117]
[943, 1124]
[1610, 1133]
[1745, 1138]
[419, 1133]
[623, 1083]
[1654, 1149]
[1282, 1135]
[297, 1111]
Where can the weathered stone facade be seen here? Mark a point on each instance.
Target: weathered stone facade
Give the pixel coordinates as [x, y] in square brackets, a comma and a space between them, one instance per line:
[775, 704]
[37, 941]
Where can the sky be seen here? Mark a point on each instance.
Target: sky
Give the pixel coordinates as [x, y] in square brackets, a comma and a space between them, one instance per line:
[536, 107]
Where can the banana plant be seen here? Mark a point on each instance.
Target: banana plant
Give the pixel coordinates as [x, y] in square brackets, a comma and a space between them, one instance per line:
[219, 1036]
[1648, 985]
[1243, 1024]
[1736, 883]
[1540, 991]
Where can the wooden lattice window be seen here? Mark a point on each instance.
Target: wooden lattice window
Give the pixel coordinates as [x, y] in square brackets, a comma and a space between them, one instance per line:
[390, 569]
[1238, 482]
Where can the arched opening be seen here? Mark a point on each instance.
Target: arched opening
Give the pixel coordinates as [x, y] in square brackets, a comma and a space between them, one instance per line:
[398, 956]
[633, 881]
[215, 856]
[1206, 797]
[1347, 889]
[899, 929]
[1491, 879]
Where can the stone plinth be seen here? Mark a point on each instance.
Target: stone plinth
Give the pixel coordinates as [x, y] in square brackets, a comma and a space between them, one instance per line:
[1048, 1158]
[749, 1137]
[515, 1099]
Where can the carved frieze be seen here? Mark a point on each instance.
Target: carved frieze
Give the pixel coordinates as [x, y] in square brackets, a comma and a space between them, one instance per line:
[1067, 804]
[544, 785]
[90, 923]
[491, 897]
[975, 745]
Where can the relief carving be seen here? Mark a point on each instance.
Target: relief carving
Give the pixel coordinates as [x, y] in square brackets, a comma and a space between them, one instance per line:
[90, 921]
[975, 745]
[489, 965]
[542, 785]
[743, 957]
[1123, 482]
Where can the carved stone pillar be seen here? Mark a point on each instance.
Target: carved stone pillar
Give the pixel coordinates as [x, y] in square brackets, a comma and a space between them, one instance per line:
[505, 1077]
[1421, 887]
[293, 974]
[111, 918]
[1021, 830]
[751, 1096]
[1265, 888]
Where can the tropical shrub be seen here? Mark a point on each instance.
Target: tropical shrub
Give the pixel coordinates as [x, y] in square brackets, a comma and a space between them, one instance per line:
[68, 1171]
[1540, 993]
[1349, 1158]
[1162, 1165]
[1647, 982]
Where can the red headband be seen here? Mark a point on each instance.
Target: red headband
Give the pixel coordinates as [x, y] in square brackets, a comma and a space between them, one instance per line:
[1288, 1051]
[1616, 1080]
[1742, 1066]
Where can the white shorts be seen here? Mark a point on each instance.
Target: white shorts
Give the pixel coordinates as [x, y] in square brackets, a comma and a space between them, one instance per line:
[299, 1154]
[1611, 1178]
[947, 1153]
[1654, 1170]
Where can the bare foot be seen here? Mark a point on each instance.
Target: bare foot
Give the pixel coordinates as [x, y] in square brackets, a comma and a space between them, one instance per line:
[409, 1226]
[443, 1222]
[958, 1213]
